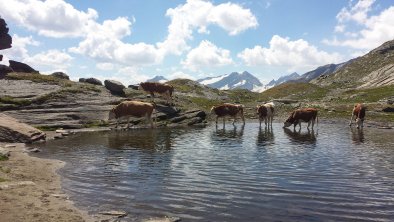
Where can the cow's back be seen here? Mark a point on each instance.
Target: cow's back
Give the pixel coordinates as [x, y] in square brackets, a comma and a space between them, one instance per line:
[133, 108]
[156, 87]
[306, 114]
[226, 110]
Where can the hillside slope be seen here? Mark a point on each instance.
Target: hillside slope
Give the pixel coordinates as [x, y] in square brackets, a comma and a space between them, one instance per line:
[374, 69]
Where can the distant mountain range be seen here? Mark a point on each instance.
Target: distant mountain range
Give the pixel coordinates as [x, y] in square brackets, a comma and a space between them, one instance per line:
[283, 79]
[234, 80]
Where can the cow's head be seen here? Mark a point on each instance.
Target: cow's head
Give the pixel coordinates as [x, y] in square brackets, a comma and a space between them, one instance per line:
[111, 115]
[289, 121]
[212, 110]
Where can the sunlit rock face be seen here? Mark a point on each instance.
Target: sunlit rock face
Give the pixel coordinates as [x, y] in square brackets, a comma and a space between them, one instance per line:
[5, 38]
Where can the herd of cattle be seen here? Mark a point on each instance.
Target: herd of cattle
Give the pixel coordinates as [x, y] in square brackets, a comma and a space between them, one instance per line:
[265, 112]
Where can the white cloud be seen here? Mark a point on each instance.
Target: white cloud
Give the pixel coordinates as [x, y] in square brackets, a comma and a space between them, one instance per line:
[357, 13]
[105, 66]
[207, 55]
[374, 31]
[19, 50]
[54, 59]
[296, 55]
[199, 14]
[53, 18]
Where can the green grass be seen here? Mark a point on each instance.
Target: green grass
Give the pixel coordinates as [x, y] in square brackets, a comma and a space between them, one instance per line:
[204, 103]
[367, 95]
[15, 101]
[36, 77]
[5, 170]
[2, 180]
[242, 95]
[96, 123]
[297, 91]
[2, 158]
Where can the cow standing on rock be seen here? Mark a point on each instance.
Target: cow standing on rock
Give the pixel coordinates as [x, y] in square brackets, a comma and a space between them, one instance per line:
[132, 109]
[308, 115]
[228, 109]
[358, 112]
[160, 88]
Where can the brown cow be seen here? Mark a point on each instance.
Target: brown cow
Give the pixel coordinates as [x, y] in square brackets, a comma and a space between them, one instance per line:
[302, 115]
[160, 88]
[266, 113]
[228, 109]
[132, 109]
[358, 112]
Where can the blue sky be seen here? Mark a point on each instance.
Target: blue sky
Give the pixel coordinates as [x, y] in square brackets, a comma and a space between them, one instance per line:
[133, 40]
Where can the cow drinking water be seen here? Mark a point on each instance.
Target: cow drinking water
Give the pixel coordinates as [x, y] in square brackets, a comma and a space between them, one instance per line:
[228, 109]
[132, 109]
[308, 115]
[358, 112]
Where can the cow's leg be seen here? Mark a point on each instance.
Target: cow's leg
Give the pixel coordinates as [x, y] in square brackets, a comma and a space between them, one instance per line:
[117, 123]
[235, 118]
[260, 121]
[217, 117]
[224, 121]
[152, 96]
[149, 119]
[351, 119]
[272, 119]
[309, 123]
[299, 123]
[313, 123]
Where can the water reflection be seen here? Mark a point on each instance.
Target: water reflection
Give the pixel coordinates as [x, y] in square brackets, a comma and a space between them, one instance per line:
[357, 135]
[265, 136]
[230, 136]
[148, 140]
[297, 136]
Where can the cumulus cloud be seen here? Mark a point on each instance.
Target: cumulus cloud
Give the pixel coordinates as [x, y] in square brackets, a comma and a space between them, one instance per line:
[296, 55]
[52, 18]
[373, 31]
[180, 75]
[53, 59]
[199, 14]
[19, 50]
[105, 66]
[207, 55]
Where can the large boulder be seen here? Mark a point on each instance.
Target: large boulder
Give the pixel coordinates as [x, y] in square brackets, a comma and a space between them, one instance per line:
[5, 38]
[4, 70]
[114, 87]
[11, 130]
[21, 67]
[93, 81]
[60, 75]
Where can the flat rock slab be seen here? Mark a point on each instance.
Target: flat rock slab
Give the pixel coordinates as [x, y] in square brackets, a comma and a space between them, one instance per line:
[11, 130]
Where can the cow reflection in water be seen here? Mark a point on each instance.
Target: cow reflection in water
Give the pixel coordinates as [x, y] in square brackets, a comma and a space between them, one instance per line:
[308, 137]
[357, 136]
[231, 135]
[146, 140]
[265, 136]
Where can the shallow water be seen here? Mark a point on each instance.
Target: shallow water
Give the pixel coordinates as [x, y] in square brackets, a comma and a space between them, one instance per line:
[232, 174]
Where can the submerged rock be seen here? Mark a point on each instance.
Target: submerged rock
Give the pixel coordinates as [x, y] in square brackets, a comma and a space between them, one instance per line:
[11, 130]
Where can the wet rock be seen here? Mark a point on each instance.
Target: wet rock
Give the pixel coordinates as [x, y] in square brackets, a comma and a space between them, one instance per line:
[33, 150]
[194, 121]
[11, 130]
[21, 67]
[115, 213]
[114, 87]
[60, 75]
[178, 119]
[58, 136]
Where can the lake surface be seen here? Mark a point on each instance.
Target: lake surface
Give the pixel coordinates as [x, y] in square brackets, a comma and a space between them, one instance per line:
[233, 173]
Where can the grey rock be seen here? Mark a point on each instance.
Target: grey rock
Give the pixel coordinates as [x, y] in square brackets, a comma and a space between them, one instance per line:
[114, 87]
[82, 80]
[388, 109]
[5, 38]
[4, 70]
[21, 67]
[116, 213]
[11, 130]
[94, 81]
[34, 150]
[60, 75]
[135, 87]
